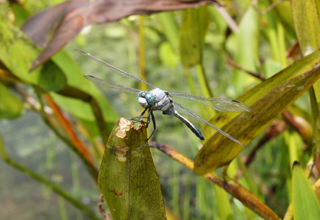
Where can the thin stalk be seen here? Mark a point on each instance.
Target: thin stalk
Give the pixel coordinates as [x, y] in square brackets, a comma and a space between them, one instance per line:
[205, 89]
[62, 208]
[247, 177]
[46, 182]
[203, 81]
[193, 88]
[190, 81]
[142, 56]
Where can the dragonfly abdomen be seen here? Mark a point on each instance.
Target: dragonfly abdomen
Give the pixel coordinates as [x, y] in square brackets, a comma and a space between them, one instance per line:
[193, 128]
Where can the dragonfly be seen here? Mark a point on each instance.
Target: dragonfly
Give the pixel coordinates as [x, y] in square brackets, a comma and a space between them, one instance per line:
[161, 100]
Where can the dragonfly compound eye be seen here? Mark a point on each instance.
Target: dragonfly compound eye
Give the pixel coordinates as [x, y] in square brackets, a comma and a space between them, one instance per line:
[150, 98]
[141, 94]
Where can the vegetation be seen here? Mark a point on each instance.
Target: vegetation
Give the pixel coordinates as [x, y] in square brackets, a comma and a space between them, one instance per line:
[262, 53]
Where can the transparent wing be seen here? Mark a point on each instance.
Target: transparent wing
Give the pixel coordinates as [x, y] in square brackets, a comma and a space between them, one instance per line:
[114, 69]
[219, 104]
[187, 111]
[112, 85]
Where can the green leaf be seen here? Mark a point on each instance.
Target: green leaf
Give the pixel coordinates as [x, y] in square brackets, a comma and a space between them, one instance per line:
[254, 94]
[219, 150]
[307, 25]
[127, 178]
[305, 202]
[167, 55]
[283, 10]
[10, 106]
[224, 206]
[170, 28]
[247, 49]
[18, 53]
[20, 13]
[76, 79]
[193, 30]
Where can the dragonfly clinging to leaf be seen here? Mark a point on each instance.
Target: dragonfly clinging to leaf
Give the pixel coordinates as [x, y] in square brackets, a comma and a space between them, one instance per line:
[161, 100]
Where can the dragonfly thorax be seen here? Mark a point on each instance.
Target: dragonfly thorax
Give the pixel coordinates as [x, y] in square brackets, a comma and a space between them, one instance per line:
[157, 99]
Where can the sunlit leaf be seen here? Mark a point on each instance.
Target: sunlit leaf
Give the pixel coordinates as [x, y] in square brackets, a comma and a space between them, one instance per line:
[169, 28]
[167, 55]
[10, 106]
[257, 92]
[283, 10]
[127, 178]
[20, 13]
[247, 49]
[83, 89]
[219, 150]
[307, 25]
[305, 202]
[193, 29]
[17, 54]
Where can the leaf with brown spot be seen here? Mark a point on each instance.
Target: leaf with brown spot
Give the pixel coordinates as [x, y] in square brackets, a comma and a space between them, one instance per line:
[116, 192]
[70, 17]
[131, 187]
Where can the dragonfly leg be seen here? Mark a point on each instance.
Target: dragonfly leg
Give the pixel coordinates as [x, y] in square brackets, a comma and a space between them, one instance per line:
[154, 128]
[138, 119]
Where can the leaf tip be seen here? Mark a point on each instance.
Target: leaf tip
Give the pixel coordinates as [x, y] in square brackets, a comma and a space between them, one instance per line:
[295, 164]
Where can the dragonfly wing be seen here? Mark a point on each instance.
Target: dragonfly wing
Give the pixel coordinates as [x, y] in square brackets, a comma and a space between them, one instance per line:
[189, 112]
[219, 104]
[112, 85]
[114, 69]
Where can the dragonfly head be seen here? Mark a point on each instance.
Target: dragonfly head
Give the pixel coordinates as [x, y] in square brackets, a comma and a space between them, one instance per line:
[146, 99]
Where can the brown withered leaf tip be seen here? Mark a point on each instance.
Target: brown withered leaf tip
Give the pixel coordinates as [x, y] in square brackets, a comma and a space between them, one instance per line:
[116, 192]
[66, 20]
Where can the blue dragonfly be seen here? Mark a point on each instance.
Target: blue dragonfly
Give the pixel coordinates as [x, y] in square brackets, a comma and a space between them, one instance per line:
[161, 100]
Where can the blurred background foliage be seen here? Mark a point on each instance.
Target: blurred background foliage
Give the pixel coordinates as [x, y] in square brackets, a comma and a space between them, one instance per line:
[48, 117]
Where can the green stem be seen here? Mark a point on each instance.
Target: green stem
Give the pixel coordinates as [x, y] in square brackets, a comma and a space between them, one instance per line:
[142, 56]
[190, 81]
[205, 89]
[47, 183]
[202, 78]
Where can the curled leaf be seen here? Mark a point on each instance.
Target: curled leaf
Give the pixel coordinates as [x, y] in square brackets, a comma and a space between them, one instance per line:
[70, 17]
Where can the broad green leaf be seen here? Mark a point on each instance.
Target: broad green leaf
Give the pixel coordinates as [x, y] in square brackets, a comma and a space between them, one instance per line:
[18, 53]
[295, 145]
[225, 210]
[247, 49]
[305, 202]
[76, 79]
[170, 28]
[127, 177]
[193, 29]
[254, 94]
[219, 150]
[76, 107]
[20, 13]
[307, 25]
[276, 37]
[283, 10]
[10, 106]
[167, 55]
